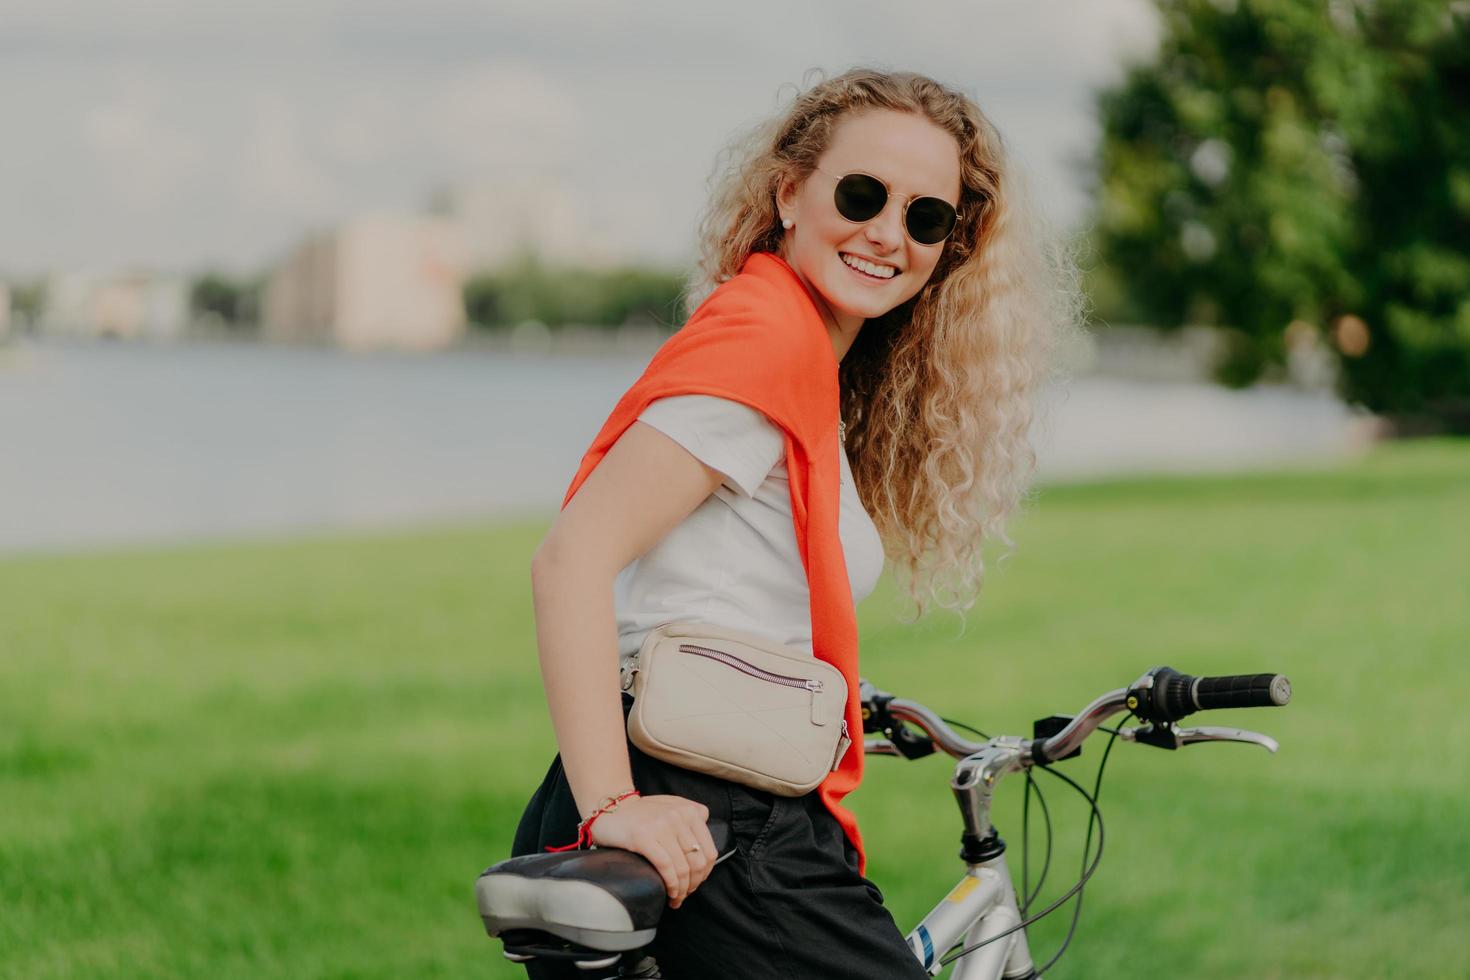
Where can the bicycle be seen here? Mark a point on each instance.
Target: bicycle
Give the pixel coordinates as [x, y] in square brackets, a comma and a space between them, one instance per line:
[600, 908]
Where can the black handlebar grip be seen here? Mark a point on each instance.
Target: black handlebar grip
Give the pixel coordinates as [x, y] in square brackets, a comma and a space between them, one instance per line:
[1174, 695]
[1242, 691]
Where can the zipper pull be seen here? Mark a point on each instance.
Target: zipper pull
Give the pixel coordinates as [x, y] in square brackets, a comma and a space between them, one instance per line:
[814, 686]
[842, 746]
[629, 669]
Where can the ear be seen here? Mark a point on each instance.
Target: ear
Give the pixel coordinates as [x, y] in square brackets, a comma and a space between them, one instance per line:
[786, 196]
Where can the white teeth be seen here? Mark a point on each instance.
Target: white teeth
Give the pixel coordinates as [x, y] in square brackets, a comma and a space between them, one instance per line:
[881, 271]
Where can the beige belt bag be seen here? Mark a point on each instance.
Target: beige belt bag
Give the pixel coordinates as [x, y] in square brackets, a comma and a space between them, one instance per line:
[724, 702]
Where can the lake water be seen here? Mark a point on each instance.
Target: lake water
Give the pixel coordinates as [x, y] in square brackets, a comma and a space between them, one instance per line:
[105, 444]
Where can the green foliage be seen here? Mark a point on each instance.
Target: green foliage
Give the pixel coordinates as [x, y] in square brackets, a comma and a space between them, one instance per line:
[235, 301]
[560, 295]
[289, 760]
[1304, 160]
[28, 299]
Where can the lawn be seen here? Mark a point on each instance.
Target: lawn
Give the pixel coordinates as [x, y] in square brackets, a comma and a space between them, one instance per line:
[290, 759]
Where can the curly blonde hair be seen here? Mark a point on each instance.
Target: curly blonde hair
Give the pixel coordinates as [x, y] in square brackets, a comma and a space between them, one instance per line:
[937, 393]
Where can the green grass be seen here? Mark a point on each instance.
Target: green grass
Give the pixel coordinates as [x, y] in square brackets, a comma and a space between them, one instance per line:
[291, 759]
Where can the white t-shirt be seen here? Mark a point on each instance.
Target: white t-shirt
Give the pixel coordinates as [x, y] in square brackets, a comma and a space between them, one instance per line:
[734, 561]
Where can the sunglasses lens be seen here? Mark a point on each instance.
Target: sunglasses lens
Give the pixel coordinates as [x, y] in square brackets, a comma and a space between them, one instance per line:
[860, 197]
[930, 220]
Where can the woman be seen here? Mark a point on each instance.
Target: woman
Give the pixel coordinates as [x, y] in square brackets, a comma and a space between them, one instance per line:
[878, 215]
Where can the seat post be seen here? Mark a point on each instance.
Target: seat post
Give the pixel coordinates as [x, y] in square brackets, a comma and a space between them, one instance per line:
[639, 965]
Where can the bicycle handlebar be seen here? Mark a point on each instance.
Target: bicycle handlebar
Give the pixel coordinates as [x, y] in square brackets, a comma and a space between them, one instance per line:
[1158, 698]
[1165, 694]
[1161, 696]
[944, 736]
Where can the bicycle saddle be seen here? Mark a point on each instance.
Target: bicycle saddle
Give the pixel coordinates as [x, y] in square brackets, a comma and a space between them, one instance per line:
[605, 899]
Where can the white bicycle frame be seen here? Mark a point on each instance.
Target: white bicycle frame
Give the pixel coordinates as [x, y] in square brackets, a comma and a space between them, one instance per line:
[983, 904]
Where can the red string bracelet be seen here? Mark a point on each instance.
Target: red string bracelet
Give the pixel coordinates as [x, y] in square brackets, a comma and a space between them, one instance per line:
[584, 829]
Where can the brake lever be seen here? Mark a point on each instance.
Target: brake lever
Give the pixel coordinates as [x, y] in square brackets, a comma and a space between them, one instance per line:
[879, 746]
[1167, 736]
[1217, 733]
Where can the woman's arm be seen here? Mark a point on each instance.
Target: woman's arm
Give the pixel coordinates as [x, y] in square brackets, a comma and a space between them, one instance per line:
[645, 485]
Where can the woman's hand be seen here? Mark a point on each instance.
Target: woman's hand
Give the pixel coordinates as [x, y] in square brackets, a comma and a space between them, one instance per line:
[665, 830]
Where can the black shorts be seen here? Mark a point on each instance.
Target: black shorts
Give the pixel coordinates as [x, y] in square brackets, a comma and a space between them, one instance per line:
[788, 905]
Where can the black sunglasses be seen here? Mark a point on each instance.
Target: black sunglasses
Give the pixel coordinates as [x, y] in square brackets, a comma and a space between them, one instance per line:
[861, 197]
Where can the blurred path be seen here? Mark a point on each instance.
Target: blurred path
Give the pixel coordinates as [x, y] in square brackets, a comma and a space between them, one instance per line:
[104, 444]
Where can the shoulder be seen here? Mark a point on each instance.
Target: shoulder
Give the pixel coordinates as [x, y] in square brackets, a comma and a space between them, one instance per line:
[727, 435]
[709, 413]
[764, 315]
[758, 340]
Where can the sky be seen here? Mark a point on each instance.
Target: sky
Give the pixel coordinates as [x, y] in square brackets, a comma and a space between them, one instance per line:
[187, 134]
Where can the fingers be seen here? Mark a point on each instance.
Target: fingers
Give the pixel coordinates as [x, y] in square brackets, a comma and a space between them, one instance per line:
[673, 868]
[699, 847]
[703, 838]
[696, 835]
[684, 873]
[690, 851]
[697, 857]
[671, 832]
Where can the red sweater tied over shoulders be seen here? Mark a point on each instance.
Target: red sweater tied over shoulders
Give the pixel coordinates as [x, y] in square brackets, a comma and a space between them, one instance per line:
[759, 340]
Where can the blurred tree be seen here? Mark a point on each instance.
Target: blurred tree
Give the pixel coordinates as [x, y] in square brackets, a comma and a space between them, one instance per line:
[1302, 160]
[28, 300]
[527, 288]
[236, 301]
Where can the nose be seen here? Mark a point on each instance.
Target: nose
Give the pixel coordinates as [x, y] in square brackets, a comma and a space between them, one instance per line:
[885, 232]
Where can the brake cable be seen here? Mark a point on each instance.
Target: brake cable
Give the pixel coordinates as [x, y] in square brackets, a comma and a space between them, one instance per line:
[1087, 872]
[1028, 895]
[1087, 845]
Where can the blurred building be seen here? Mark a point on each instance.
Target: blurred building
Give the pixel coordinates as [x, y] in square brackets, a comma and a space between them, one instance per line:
[503, 217]
[133, 305]
[377, 281]
[1191, 353]
[1144, 354]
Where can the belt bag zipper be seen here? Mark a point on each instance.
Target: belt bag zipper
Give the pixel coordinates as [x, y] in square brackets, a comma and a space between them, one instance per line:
[811, 685]
[630, 667]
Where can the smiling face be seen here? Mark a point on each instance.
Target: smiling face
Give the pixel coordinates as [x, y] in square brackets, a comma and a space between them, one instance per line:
[915, 158]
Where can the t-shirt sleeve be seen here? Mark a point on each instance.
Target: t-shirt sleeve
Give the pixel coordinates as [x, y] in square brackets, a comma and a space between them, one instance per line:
[723, 434]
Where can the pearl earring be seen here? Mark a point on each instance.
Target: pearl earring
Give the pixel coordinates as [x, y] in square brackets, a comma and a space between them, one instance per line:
[787, 223]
